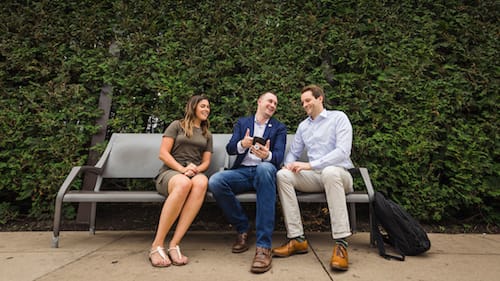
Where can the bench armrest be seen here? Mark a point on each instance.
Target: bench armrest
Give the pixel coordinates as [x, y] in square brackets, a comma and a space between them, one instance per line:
[366, 180]
[73, 174]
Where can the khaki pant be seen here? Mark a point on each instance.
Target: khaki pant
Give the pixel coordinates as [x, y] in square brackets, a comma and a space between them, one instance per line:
[334, 181]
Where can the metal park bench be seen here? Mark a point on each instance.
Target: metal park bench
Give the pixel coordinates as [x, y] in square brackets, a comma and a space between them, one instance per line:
[135, 156]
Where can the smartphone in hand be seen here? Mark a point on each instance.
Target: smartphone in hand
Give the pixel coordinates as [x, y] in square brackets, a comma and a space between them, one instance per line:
[259, 140]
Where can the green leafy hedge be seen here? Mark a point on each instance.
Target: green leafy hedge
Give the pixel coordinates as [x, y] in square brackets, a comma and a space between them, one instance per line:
[418, 79]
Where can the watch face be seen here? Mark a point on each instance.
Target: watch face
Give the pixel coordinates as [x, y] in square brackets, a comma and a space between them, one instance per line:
[259, 140]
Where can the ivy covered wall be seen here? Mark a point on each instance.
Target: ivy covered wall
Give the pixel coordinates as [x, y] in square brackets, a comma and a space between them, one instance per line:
[418, 79]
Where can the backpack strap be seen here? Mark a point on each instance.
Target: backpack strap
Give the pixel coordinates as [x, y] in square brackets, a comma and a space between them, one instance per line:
[379, 239]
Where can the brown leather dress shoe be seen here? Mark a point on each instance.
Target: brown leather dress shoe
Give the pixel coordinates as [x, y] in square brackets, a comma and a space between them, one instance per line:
[340, 260]
[292, 247]
[241, 243]
[262, 260]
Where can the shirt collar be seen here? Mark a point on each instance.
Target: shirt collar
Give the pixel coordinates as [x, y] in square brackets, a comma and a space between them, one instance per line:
[257, 123]
[323, 114]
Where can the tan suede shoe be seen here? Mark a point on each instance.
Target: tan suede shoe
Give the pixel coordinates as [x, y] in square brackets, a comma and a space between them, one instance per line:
[340, 260]
[292, 247]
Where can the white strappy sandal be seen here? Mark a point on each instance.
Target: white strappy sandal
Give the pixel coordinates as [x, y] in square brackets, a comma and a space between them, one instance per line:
[181, 260]
[163, 255]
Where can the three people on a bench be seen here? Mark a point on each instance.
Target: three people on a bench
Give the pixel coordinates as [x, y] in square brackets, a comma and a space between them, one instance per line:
[186, 149]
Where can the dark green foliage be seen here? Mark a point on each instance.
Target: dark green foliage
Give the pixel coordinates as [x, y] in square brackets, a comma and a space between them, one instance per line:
[418, 79]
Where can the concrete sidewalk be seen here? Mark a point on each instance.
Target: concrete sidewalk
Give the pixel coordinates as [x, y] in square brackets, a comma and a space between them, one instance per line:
[122, 255]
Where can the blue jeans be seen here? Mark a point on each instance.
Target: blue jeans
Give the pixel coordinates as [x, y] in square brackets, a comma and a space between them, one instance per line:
[262, 179]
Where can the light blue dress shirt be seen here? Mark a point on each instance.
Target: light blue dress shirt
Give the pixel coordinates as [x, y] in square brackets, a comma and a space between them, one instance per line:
[327, 140]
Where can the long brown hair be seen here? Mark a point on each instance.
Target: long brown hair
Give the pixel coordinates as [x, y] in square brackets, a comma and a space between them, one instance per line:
[187, 123]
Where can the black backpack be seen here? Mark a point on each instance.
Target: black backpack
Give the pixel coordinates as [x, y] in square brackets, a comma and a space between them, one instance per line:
[404, 233]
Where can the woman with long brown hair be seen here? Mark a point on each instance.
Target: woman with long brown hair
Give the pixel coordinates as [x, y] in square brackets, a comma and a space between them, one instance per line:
[185, 150]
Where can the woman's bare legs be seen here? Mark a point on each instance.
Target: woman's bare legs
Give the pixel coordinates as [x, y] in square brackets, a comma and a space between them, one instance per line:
[191, 208]
[179, 189]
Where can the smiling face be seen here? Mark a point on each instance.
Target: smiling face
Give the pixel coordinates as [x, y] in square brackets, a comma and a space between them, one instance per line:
[202, 110]
[312, 105]
[266, 105]
[197, 111]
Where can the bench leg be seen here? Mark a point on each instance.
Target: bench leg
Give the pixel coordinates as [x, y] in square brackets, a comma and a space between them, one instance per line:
[93, 211]
[370, 218]
[57, 222]
[55, 241]
[352, 216]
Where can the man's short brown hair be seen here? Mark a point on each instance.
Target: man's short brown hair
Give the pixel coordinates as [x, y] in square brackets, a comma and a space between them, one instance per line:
[316, 90]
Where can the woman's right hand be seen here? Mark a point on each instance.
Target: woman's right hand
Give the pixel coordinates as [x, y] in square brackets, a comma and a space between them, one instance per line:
[190, 170]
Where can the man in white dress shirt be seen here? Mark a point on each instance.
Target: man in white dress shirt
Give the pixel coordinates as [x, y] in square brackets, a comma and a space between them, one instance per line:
[327, 137]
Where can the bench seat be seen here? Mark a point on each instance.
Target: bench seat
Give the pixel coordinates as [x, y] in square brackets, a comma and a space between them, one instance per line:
[111, 196]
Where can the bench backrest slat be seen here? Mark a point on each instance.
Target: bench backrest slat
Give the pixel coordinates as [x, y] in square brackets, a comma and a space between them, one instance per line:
[136, 155]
